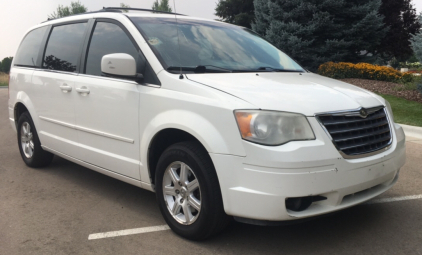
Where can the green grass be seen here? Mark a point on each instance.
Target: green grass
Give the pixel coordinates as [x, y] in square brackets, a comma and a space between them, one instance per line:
[405, 111]
[412, 85]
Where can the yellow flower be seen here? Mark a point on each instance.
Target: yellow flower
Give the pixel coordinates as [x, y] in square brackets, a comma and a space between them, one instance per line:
[360, 70]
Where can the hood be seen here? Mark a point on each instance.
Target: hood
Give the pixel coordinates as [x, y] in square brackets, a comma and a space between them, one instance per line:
[305, 93]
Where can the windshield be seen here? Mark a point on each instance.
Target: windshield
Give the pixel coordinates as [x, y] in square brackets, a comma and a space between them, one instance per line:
[207, 45]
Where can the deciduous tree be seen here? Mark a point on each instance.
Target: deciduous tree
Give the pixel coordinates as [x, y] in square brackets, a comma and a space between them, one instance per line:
[162, 5]
[63, 11]
[238, 12]
[5, 64]
[401, 19]
[123, 5]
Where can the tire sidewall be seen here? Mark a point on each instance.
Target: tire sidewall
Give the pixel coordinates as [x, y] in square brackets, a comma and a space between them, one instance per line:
[177, 154]
[25, 117]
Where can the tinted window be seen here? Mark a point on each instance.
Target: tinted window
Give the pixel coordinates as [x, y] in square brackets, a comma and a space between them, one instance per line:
[63, 47]
[107, 38]
[27, 54]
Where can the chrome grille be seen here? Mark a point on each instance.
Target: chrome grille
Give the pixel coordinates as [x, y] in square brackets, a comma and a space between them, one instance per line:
[355, 135]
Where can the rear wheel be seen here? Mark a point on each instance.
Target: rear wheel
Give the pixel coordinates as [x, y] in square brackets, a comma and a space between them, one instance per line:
[29, 144]
[188, 192]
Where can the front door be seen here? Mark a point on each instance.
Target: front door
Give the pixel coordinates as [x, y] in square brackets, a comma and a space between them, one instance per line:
[107, 109]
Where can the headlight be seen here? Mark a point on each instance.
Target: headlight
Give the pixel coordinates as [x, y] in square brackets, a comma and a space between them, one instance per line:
[390, 111]
[273, 128]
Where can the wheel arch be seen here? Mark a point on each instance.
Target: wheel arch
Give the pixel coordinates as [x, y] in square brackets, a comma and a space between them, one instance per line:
[23, 104]
[160, 142]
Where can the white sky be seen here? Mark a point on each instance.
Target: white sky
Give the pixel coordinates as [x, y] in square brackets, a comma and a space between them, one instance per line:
[17, 16]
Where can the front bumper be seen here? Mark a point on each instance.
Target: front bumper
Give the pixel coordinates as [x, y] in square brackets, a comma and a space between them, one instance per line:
[257, 186]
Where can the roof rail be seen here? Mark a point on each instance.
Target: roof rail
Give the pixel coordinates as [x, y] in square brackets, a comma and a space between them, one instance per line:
[138, 9]
[49, 19]
[116, 9]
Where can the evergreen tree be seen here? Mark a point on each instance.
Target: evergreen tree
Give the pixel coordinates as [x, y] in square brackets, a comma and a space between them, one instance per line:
[163, 6]
[317, 31]
[238, 12]
[417, 42]
[401, 19]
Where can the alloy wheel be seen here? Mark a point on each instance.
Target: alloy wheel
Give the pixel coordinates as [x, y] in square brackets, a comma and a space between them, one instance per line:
[182, 193]
[27, 142]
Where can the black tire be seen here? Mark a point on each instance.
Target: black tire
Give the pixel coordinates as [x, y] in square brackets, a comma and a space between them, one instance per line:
[212, 218]
[39, 156]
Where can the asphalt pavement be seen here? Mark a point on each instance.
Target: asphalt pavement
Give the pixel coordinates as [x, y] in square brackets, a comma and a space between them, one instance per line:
[54, 210]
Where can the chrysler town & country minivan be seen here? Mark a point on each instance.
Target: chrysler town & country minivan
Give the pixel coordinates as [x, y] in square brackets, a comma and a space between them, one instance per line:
[209, 116]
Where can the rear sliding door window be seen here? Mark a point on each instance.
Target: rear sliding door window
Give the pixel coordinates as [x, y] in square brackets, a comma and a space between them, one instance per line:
[63, 47]
[27, 54]
[108, 38]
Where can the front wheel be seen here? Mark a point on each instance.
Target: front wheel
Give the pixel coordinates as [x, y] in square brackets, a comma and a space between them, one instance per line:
[188, 192]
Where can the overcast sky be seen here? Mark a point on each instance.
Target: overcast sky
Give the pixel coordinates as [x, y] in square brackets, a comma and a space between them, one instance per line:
[17, 16]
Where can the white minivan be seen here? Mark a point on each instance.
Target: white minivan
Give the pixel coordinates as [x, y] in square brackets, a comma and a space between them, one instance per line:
[211, 117]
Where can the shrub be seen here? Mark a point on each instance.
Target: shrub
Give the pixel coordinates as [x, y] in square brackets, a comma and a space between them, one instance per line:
[414, 65]
[419, 87]
[4, 79]
[363, 71]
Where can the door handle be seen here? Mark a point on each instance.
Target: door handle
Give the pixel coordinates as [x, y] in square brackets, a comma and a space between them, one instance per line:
[82, 90]
[65, 88]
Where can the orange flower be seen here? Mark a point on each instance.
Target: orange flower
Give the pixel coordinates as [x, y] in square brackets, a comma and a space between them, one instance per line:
[361, 70]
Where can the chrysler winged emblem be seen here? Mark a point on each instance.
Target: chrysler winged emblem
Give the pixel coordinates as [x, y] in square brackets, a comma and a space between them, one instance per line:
[363, 113]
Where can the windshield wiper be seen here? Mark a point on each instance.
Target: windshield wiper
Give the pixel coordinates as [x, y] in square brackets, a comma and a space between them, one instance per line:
[269, 68]
[203, 68]
[200, 69]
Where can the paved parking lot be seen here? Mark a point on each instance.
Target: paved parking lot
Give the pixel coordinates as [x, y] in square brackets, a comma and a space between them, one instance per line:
[53, 211]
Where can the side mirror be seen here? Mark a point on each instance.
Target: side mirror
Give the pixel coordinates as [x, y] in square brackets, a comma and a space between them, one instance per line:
[120, 65]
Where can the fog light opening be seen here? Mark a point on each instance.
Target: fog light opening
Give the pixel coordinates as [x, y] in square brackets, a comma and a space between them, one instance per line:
[298, 204]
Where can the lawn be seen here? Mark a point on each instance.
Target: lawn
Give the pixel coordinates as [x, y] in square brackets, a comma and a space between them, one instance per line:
[405, 111]
[4, 79]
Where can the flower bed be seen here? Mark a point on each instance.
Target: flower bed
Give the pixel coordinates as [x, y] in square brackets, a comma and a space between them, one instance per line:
[388, 88]
[415, 72]
[344, 70]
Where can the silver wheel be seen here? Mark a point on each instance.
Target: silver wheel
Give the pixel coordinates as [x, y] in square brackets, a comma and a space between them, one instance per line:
[27, 142]
[182, 193]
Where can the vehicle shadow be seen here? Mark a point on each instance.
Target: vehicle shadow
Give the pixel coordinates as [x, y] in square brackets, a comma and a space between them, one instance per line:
[118, 193]
[354, 230]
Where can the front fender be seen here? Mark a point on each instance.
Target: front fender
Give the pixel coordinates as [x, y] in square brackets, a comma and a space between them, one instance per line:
[218, 133]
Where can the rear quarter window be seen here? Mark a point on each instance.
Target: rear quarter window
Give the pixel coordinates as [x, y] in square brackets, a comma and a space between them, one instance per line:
[27, 54]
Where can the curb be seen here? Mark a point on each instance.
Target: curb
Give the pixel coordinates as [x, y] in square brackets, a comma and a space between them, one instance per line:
[412, 131]
[3, 87]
